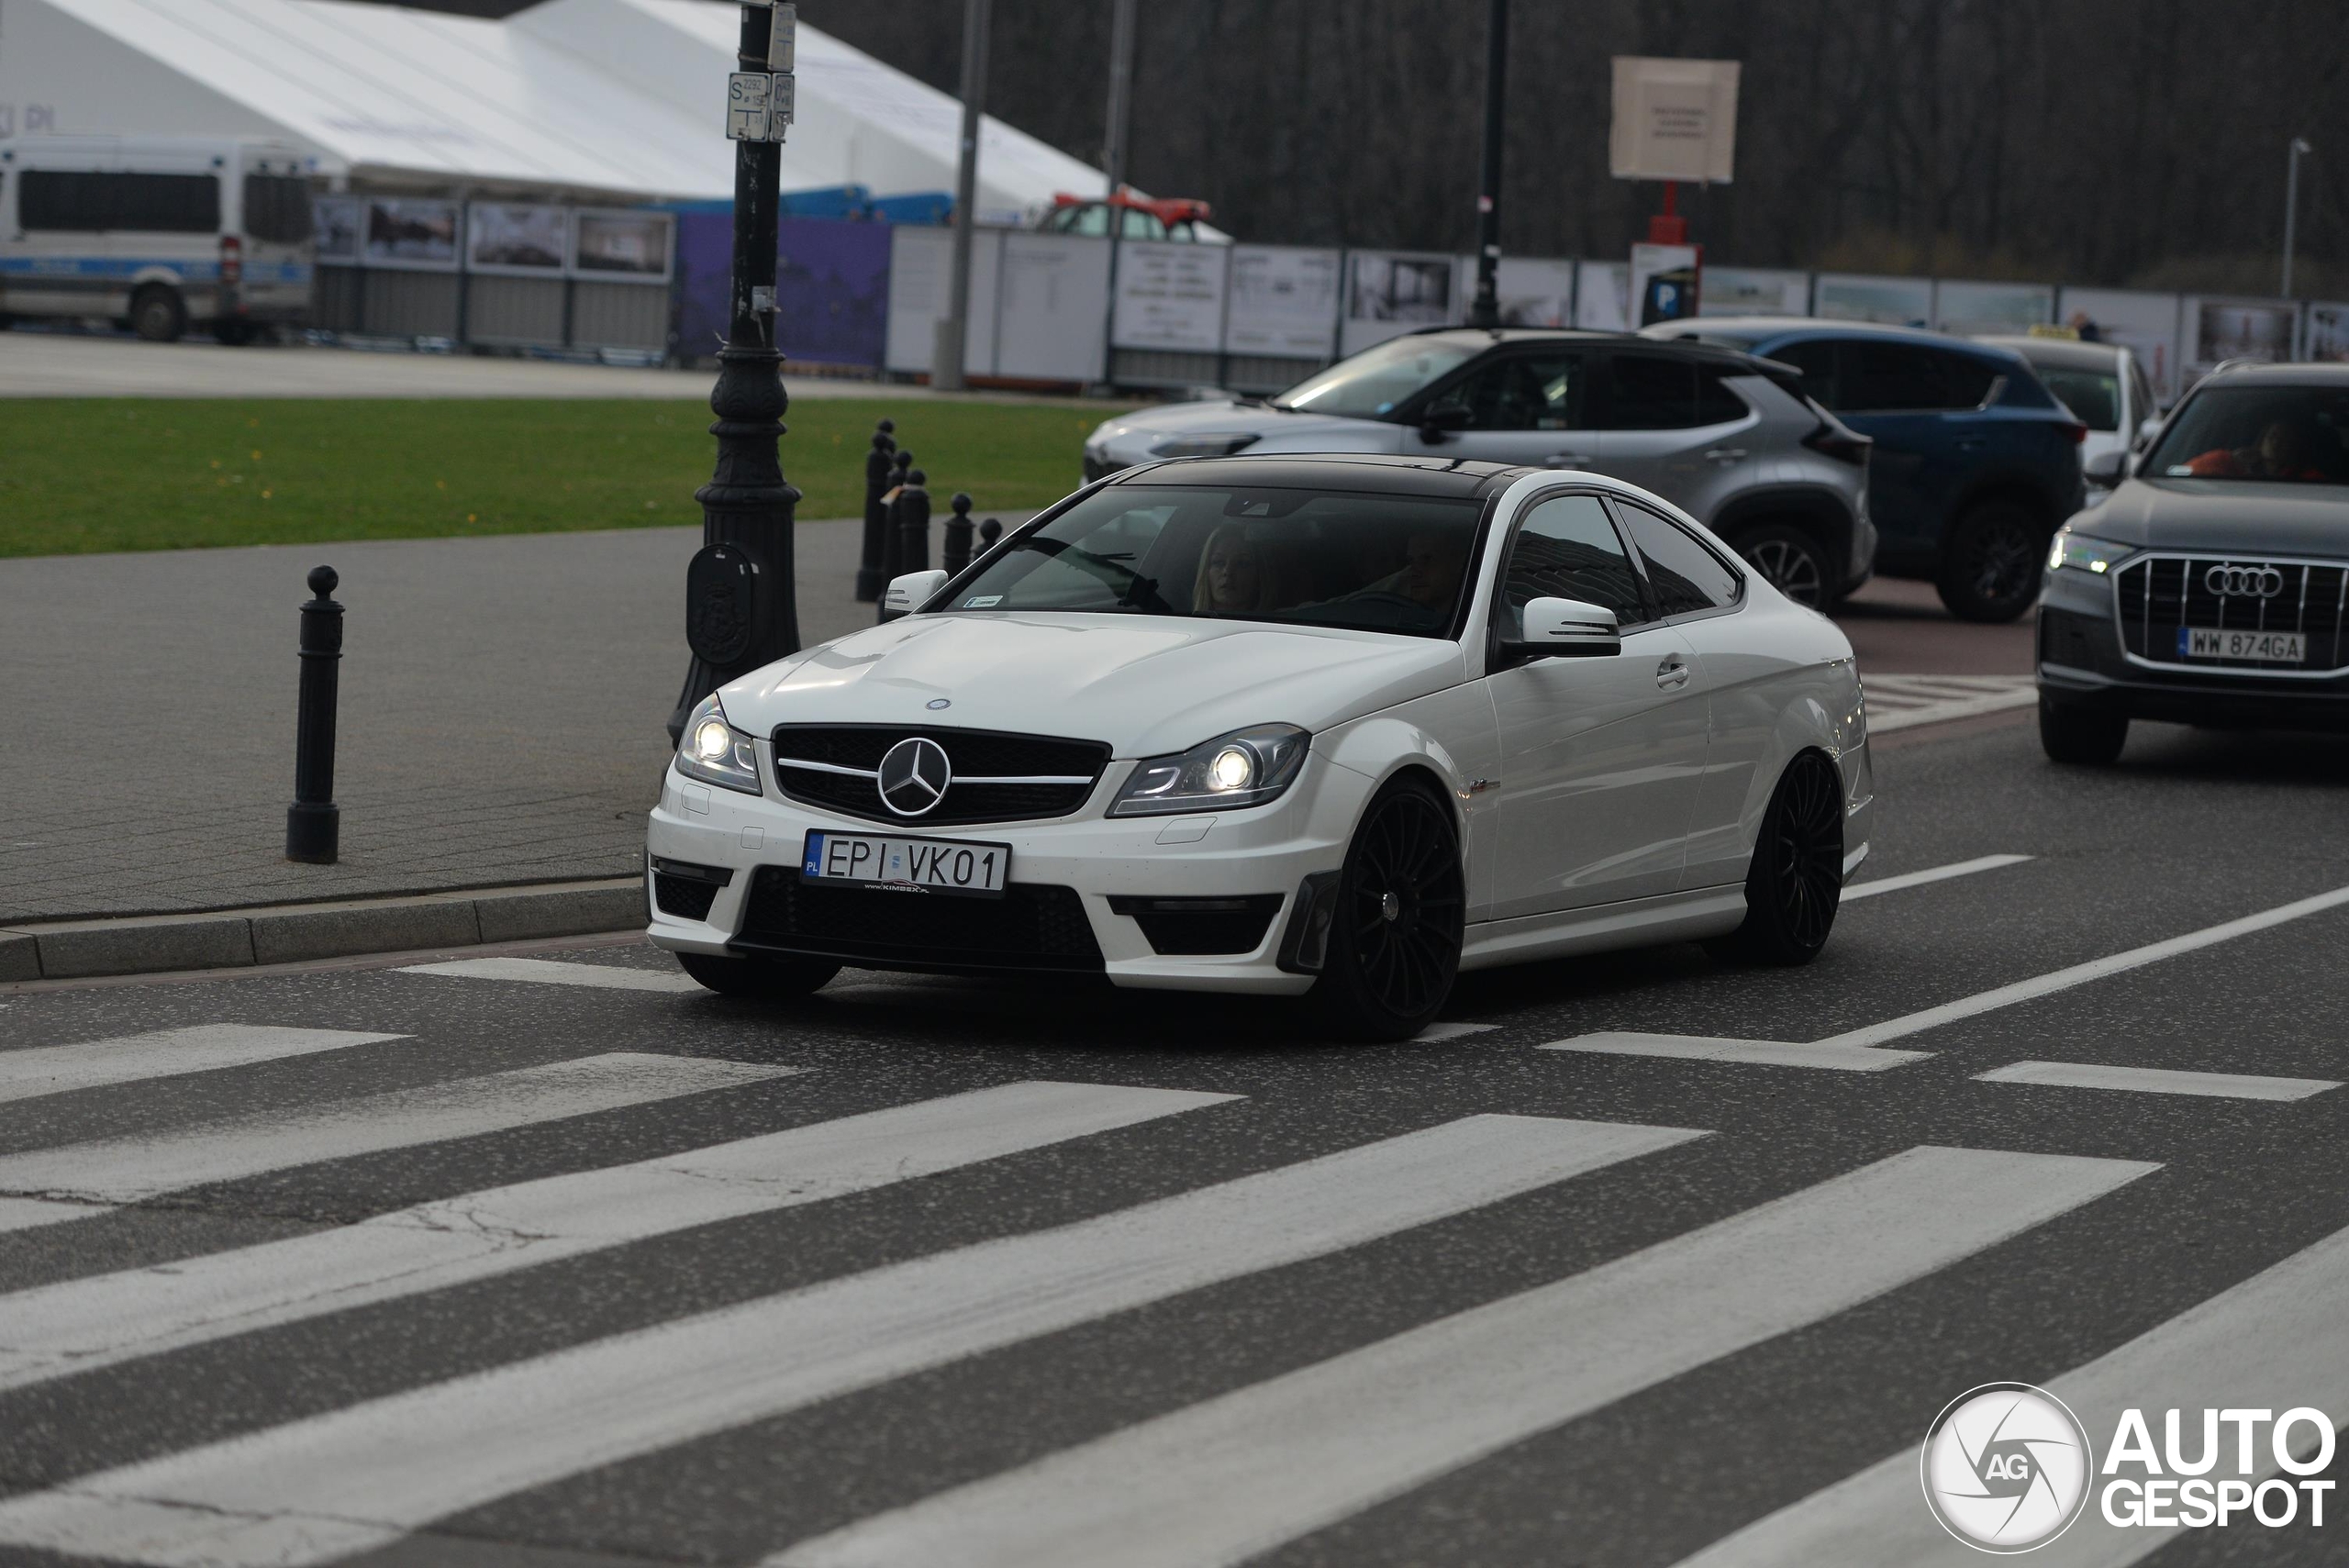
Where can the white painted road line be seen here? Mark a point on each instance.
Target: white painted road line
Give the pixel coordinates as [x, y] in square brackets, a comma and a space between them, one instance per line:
[1989, 1001]
[1932, 873]
[2277, 1341]
[1769, 1053]
[2158, 1080]
[1905, 702]
[162, 1053]
[545, 971]
[1238, 1475]
[127, 1170]
[1436, 1034]
[354, 1479]
[78, 1324]
[25, 1213]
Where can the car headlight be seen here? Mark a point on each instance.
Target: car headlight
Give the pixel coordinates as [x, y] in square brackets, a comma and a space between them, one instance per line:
[1247, 767]
[714, 751]
[1204, 446]
[2085, 552]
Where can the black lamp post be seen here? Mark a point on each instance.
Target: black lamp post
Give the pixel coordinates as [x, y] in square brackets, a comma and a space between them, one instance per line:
[1486, 309]
[740, 608]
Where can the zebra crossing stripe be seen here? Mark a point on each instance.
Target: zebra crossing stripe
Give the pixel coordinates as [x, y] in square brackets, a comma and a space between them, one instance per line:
[78, 1324]
[2158, 1080]
[596, 976]
[162, 1053]
[1238, 1475]
[25, 1213]
[358, 1478]
[1769, 1053]
[2275, 1342]
[1853, 891]
[127, 1170]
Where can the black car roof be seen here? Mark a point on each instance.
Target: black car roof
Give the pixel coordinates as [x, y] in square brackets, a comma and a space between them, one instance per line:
[1449, 478]
[1693, 347]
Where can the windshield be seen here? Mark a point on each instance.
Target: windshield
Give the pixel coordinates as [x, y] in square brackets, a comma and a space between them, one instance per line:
[1293, 557]
[2092, 395]
[1375, 381]
[2288, 435]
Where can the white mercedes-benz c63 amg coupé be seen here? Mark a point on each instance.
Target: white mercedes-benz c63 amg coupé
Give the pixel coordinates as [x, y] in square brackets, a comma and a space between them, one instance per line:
[1282, 725]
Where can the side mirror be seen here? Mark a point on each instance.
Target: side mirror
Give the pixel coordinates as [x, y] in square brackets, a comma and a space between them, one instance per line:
[1441, 418]
[909, 592]
[1566, 628]
[2107, 468]
[2148, 428]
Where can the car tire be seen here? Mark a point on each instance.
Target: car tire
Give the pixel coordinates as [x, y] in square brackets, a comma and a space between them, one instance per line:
[2080, 733]
[759, 979]
[157, 314]
[1790, 560]
[1401, 911]
[1796, 881]
[1990, 562]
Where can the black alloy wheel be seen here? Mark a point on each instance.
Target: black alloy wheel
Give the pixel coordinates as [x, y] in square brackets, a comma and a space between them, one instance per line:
[1796, 881]
[1402, 906]
[1789, 560]
[1990, 562]
[759, 979]
[157, 314]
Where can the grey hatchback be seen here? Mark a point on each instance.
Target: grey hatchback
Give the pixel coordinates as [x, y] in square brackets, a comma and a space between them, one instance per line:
[1729, 439]
[2212, 588]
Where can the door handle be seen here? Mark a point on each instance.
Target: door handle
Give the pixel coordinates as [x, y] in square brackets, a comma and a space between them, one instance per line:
[1672, 673]
[1727, 454]
[1568, 460]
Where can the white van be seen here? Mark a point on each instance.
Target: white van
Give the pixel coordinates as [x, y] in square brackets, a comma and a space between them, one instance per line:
[161, 233]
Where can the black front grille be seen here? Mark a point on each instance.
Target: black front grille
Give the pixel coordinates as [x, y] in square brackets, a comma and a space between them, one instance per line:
[686, 900]
[1033, 927]
[1196, 927]
[975, 754]
[2161, 594]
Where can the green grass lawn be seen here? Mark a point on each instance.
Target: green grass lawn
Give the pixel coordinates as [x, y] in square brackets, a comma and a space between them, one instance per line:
[80, 474]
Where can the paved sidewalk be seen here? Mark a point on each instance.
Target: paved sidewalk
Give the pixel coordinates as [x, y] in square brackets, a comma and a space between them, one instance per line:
[501, 718]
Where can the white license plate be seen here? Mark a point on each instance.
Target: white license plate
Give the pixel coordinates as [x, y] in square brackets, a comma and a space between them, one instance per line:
[2274, 647]
[908, 865]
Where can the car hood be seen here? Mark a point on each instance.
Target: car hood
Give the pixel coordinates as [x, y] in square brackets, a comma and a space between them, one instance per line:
[2226, 516]
[1145, 685]
[1151, 426]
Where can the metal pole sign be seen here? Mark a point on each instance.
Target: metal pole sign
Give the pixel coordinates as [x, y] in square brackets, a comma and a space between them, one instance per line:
[750, 107]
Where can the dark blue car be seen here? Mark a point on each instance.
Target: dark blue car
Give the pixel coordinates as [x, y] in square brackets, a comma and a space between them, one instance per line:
[1976, 463]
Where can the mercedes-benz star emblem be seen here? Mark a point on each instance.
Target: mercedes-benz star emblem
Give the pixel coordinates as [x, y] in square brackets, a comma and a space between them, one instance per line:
[914, 775]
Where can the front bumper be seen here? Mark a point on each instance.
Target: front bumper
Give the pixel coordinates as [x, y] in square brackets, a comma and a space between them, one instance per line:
[1260, 853]
[2080, 661]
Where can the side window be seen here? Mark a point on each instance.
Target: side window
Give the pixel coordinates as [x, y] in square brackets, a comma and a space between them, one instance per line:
[1817, 361]
[1687, 578]
[1965, 381]
[68, 202]
[1895, 376]
[1524, 392]
[1716, 404]
[1650, 392]
[1567, 549]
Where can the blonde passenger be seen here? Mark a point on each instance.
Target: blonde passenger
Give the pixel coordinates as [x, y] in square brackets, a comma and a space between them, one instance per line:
[1236, 575]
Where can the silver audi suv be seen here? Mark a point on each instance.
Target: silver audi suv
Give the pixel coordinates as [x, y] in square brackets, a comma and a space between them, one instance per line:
[2212, 588]
[1729, 439]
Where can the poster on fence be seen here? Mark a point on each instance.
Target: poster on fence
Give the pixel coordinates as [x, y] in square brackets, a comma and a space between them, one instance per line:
[1754, 291]
[1170, 295]
[2144, 322]
[1602, 296]
[1892, 302]
[921, 270]
[1282, 303]
[621, 247]
[1534, 292]
[1388, 293]
[2328, 333]
[2218, 330]
[337, 220]
[509, 238]
[406, 232]
[1055, 294]
[1968, 309]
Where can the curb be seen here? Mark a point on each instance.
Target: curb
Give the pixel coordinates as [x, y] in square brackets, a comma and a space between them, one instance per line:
[291, 933]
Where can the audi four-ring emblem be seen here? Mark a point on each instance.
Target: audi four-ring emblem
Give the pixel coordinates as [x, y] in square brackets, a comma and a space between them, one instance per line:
[2245, 581]
[914, 775]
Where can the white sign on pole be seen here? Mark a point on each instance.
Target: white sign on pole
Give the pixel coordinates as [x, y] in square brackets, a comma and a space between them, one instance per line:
[784, 109]
[750, 106]
[1675, 120]
[1170, 295]
[1283, 303]
[783, 42]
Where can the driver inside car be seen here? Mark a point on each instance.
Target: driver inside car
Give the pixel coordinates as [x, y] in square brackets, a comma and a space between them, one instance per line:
[2282, 451]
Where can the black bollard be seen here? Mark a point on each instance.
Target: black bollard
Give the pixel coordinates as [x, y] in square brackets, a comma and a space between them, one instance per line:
[313, 823]
[989, 531]
[913, 525]
[901, 464]
[955, 553]
[878, 464]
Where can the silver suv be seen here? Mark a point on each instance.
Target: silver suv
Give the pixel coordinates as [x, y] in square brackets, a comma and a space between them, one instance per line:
[1729, 439]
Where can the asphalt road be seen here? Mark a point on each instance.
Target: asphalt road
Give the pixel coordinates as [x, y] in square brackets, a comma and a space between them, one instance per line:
[524, 1264]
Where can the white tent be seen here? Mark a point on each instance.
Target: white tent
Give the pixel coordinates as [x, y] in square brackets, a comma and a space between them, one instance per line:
[596, 97]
